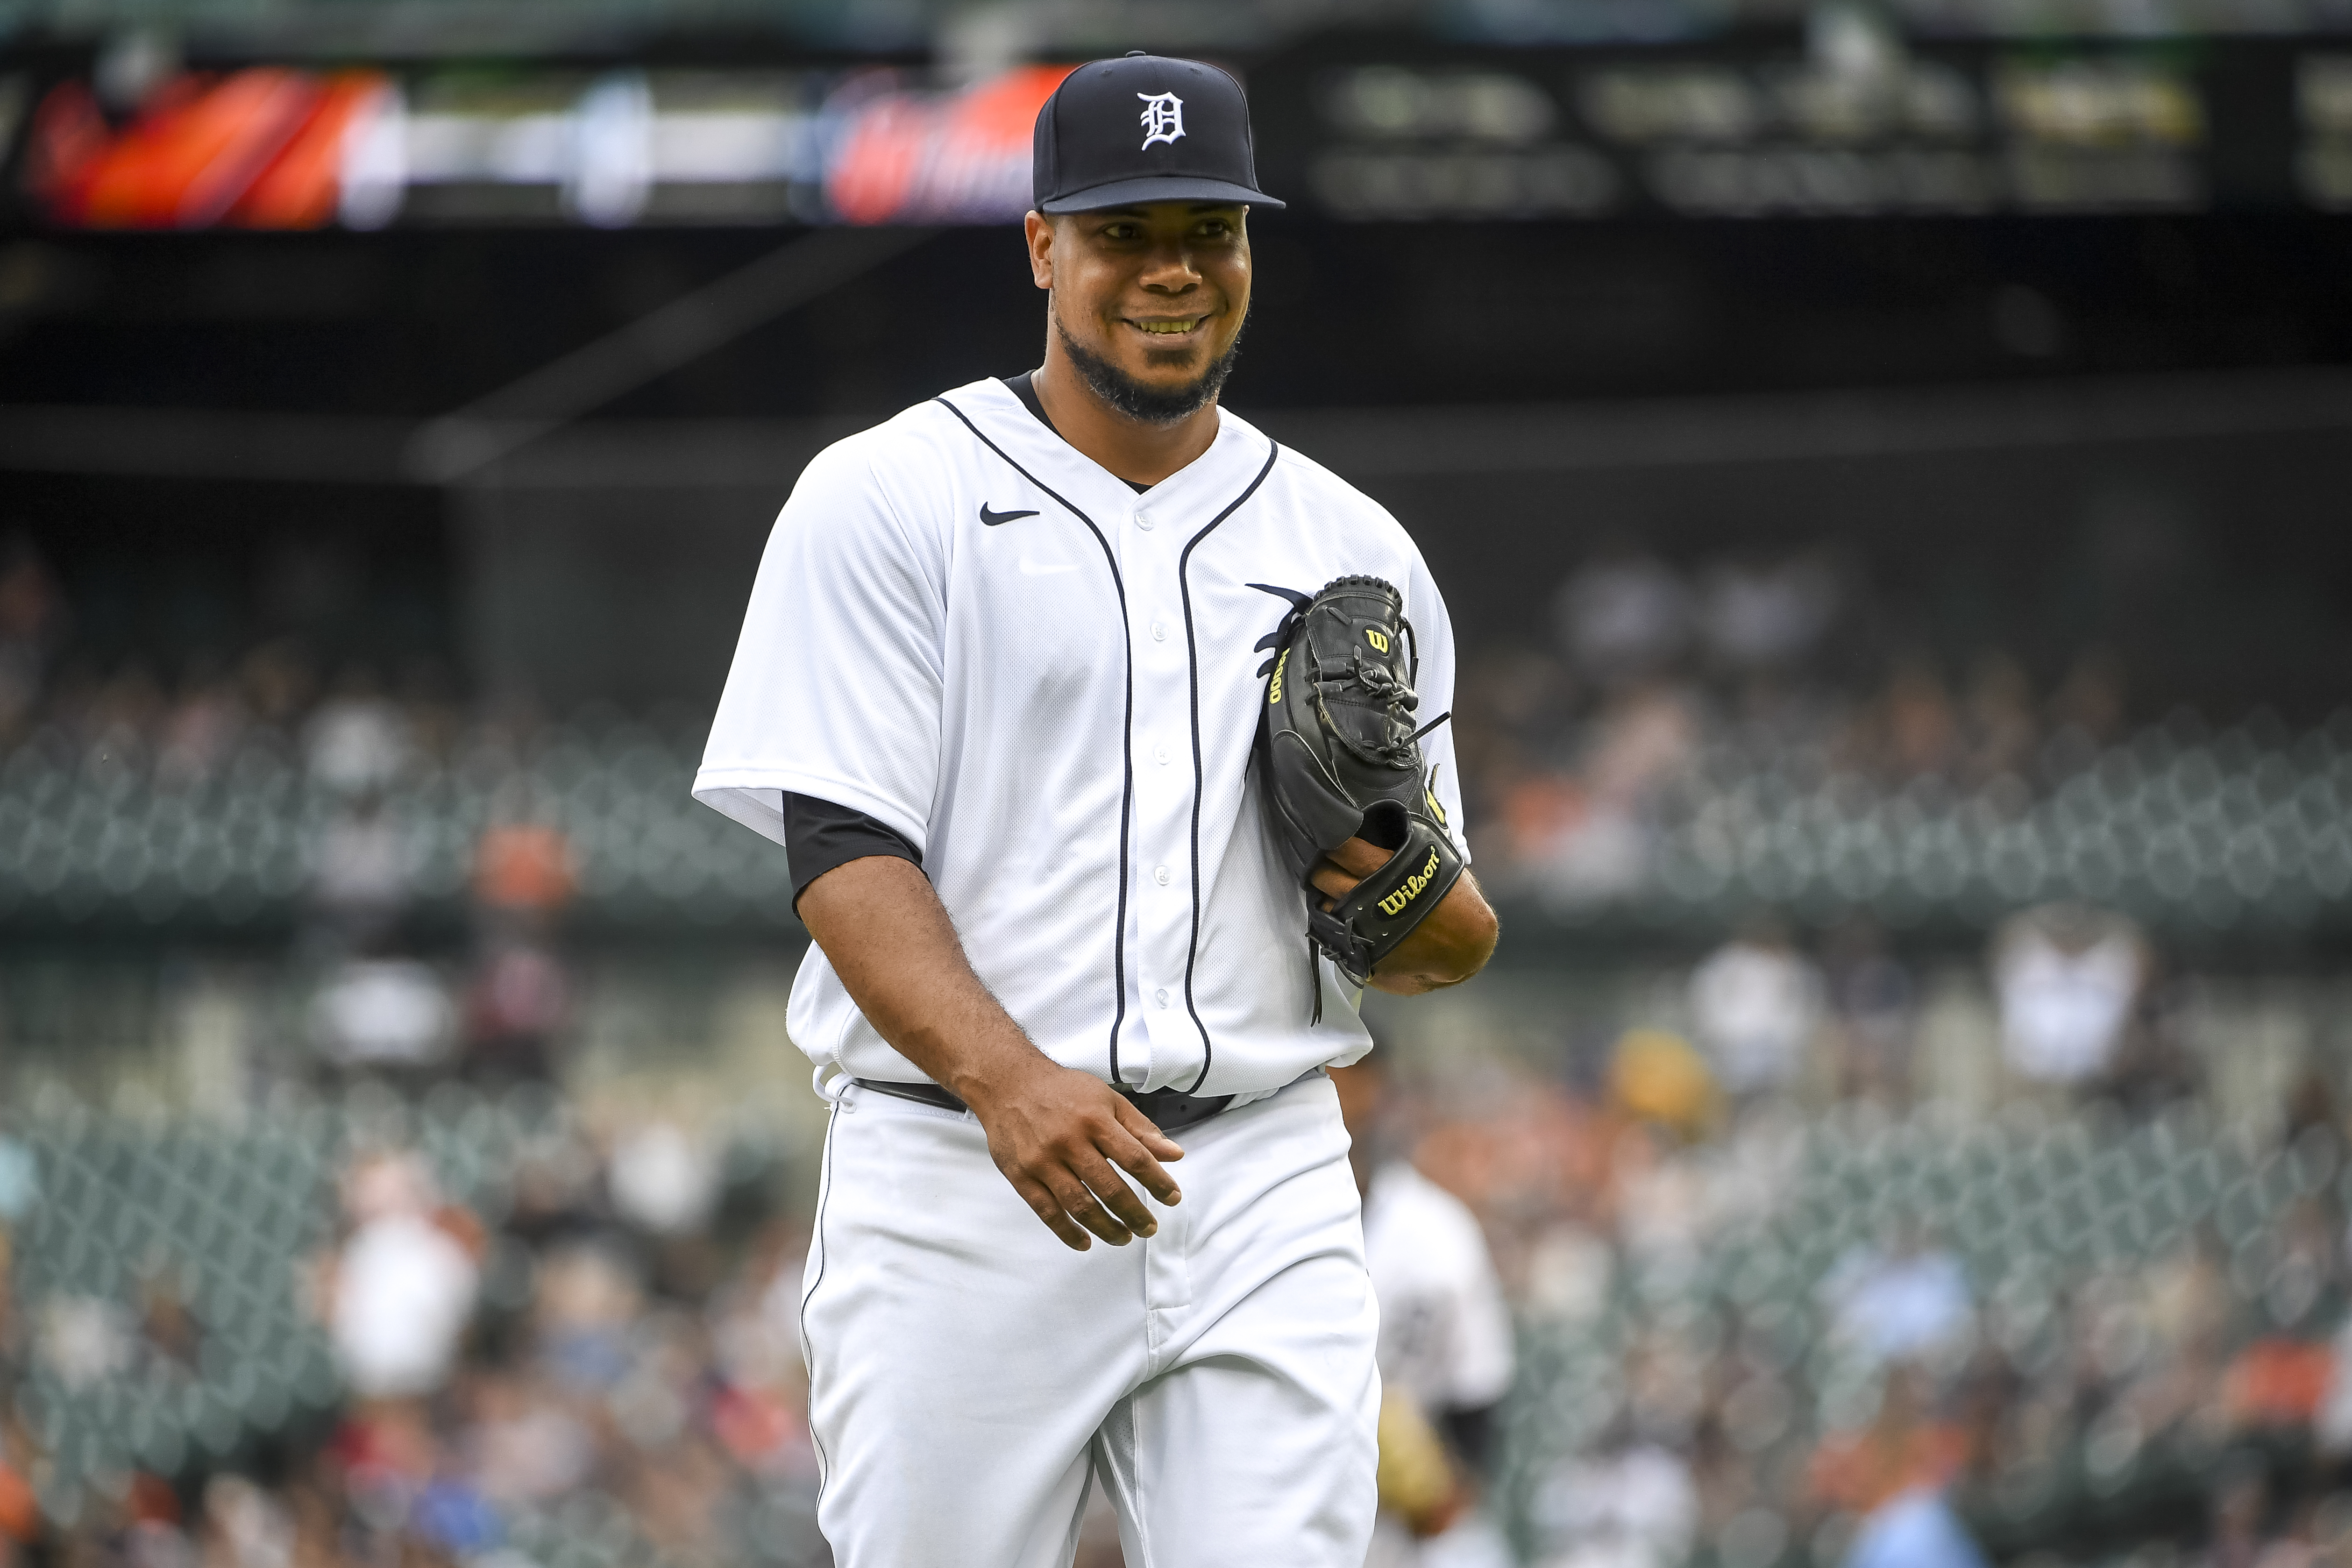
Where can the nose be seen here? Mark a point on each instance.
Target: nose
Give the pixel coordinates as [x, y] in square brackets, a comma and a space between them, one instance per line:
[1169, 269]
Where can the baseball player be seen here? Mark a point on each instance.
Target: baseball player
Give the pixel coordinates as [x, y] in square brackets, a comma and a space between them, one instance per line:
[1105, 739]
[1445, 1351]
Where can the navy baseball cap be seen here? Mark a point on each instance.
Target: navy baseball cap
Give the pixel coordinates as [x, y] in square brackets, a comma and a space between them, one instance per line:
[1144, 128]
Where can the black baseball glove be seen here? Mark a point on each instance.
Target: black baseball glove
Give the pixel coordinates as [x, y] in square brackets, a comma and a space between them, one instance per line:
[1340, 758]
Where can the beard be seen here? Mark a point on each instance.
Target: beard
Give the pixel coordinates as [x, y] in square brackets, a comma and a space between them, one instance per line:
[1147, 405]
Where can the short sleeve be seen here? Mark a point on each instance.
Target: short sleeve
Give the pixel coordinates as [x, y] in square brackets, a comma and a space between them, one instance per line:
[1432, 631]
[1482, 1358]
[836, 688]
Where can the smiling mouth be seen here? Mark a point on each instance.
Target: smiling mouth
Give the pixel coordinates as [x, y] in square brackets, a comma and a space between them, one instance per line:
[1175, 326]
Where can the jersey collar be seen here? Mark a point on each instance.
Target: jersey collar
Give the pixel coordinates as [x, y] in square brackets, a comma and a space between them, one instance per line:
[997, 410]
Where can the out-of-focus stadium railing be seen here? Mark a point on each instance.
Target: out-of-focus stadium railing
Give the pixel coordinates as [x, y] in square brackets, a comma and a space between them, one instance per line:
[2192, 838]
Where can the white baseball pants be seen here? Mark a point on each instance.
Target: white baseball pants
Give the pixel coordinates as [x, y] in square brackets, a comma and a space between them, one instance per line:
[969, 1374]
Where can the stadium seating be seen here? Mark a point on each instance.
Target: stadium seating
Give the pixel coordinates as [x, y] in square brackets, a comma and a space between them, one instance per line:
[2240, 831]
[227, 1218]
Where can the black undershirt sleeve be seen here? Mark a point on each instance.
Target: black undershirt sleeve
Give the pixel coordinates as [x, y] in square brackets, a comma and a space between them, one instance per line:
[1024, 388]
[820, 835]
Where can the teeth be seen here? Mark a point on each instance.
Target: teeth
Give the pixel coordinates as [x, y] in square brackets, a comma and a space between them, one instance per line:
[1169, 326]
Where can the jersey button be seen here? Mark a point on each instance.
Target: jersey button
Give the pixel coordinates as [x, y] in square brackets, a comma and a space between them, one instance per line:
[1161, 753]
[1160, 996]
[1160, 874]
[1159, 631]
[1143, 521]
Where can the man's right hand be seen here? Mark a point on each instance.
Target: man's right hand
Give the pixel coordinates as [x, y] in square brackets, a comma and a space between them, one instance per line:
[1060, 1136]
[1057, 1133]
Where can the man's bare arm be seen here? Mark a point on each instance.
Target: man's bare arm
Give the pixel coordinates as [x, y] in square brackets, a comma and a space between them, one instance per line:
[1445, 949]
[1054, 1131]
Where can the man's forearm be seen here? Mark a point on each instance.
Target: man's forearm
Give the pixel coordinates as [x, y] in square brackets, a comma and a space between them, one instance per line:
[890, 940]
[1445, 949]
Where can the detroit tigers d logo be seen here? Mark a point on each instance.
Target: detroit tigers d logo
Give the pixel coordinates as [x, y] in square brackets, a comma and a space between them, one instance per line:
[1162, 117]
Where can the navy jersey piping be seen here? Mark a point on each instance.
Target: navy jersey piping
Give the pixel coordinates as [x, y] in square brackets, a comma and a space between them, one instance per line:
[1192, 663]
[1127, 750]
[823, 1260]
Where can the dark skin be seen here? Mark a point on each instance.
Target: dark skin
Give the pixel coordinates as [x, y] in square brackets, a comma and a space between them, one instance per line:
[1160, 291]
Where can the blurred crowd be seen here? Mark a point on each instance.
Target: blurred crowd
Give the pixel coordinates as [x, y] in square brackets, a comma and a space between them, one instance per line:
[379, 1006]
[609, 1353]
[1569, 734]
[603, 1370]
[1729, 1357]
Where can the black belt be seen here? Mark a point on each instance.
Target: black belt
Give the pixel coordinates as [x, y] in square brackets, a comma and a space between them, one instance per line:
[1170, 1110]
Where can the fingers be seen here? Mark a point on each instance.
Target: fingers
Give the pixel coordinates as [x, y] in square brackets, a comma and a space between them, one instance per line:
[1081, 1205]
[1065, 1165]
[1050, 1213]
[1329, 878]
[1140, 1152]
[1118, 1196]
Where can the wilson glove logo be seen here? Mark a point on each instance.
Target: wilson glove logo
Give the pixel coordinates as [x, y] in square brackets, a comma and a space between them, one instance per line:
[1274, 692]
[1403, 895]
[1377, 638]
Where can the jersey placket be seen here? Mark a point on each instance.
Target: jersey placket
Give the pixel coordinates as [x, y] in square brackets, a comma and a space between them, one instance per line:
[1161, 757]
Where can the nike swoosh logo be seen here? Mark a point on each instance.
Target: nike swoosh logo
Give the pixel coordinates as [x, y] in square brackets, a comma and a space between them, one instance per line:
[1030, 568]
[990, 519]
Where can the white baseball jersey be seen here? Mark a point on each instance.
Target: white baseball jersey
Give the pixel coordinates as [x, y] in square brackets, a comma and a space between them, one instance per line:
[1445, 1334]
[1046, 682]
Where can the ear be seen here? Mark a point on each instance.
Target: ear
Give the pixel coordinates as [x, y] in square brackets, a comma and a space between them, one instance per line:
[1039, 230]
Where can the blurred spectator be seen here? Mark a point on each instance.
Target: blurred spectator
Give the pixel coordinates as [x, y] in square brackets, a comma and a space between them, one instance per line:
[20, 1509]
[523, 869]
[521, 1441]
[83, 1339]
[1657, 1077]
[20, 1188]
[1873, 1002]
[2001, 728]
[517, 1002]
[2067, 977]
[200, 731]
[392, 1014]
[400, 1288]
[1622, 614]
[361, 871]
[358, 739]
[2090, 700]
[664, 1182]
[245, 1526]
[1914, 1529]
[1755, 1003]
[1901, 1453]
[278, 681]
[1445, 1355]
[1582, 839]
[1760, 614]
[1631, 1504]
[1908, 1301]
[1920, 733]
[589, 1298]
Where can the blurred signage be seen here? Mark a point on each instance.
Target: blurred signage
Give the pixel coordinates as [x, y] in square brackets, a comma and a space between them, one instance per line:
[2324, 113]
[1847, 120]
[270, 147]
